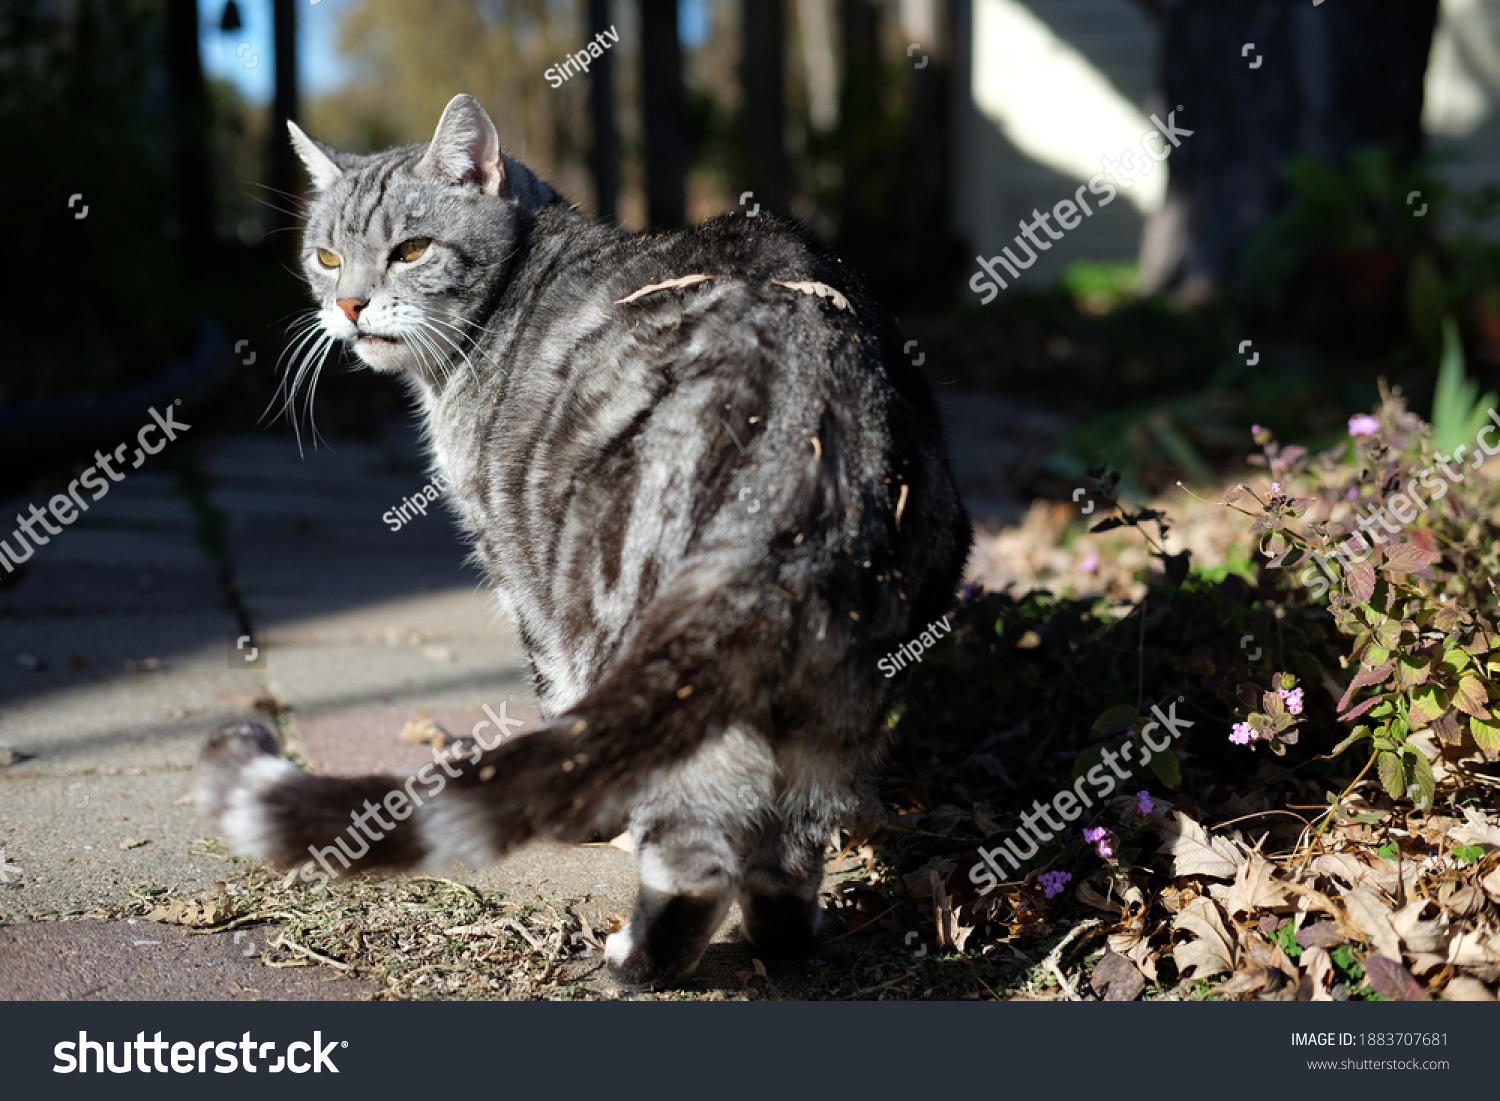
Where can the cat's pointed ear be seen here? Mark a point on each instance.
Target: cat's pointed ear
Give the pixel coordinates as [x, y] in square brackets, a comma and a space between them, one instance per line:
[466, 148]
[318, 157]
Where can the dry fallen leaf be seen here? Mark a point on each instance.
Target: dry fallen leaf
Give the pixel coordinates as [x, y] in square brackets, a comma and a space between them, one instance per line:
[949, 933]
[1475, 948]
[1317, 968]
[1349, 869]
[1089, 896]
[1478, 830]
[670, 284]
[178, 912]
[1212, 950]
[1419, 935]
[1491, 883]
[1194, 851]
[1389, 978]
[1465, 989]
[424, 731]
[822, 290]
[1255, 888]
[1320, 934]
[134, 843]
[1132, 942]
[918, 884]
[1461, 899]
[1368, 918]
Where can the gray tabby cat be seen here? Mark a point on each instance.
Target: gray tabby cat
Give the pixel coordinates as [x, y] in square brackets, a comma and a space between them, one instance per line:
[704, 485]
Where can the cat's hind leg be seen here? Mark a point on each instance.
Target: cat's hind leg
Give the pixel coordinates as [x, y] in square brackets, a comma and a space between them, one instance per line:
[779, 908]
[689, 874]
[779, 905]
[689, 830]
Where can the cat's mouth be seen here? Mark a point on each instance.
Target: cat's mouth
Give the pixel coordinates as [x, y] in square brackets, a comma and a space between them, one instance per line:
[377, 340]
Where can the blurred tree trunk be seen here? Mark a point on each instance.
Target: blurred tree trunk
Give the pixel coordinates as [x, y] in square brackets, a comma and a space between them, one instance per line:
[190, 115]
[1332, 78]
[815, 30]
[864, 219]
[282, 168]
[661, 94]
[604, 150]
[937, 254]
[763, 78]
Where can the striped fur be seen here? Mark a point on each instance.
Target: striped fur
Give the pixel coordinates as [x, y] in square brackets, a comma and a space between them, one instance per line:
[710, 509]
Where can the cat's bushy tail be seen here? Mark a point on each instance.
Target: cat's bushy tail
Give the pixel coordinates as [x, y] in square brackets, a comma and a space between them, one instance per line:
[664, 697]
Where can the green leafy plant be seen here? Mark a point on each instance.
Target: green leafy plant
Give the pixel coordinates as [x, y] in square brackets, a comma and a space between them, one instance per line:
[1458, 412]
[1465, 855]
[1407, 582]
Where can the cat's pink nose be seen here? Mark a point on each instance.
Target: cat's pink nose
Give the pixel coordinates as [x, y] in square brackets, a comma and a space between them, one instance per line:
[352, 307]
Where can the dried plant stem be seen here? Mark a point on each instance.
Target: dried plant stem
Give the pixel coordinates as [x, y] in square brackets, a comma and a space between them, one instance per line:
[1054, 957]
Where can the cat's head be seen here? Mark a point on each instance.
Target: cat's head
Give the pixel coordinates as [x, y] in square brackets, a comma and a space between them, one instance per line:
[402, 247]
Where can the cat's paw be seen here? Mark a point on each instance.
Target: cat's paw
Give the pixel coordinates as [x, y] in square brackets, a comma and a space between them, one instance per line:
[632, 969]
[227, 767]
[627, 965]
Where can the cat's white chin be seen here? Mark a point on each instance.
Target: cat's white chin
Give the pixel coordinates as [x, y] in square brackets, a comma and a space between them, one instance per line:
[382, 353]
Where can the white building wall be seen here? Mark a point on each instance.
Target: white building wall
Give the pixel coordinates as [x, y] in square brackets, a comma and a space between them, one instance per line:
[1053, 86]
[1050, 86]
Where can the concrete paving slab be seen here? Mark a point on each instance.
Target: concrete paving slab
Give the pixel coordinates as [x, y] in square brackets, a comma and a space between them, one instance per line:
[95, 588]
[422, 617]
[149, 719]
[320, 679]
[355, 743]
[148, 961]
[68, 835]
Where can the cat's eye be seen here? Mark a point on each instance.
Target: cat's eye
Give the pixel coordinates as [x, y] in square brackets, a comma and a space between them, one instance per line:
[328, 259]
[407, 251]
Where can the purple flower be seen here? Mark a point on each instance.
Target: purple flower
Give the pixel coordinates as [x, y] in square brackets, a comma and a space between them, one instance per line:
[1275, 489]
[1353, 493]
[1362, 424]
[1143, 803]
[1098, 836]
[1053, 882]
[1255, 430]
[1243, 734]
[1293, 699]
[1089, 564]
